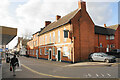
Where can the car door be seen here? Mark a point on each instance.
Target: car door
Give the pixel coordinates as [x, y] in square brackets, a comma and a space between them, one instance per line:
[95, 57]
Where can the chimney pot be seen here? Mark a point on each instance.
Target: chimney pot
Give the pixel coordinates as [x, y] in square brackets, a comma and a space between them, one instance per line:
[82, 5]
[47, 23]
[58, 17]
[105, 25]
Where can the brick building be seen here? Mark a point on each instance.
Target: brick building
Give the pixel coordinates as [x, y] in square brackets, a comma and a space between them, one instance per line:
[72, 37]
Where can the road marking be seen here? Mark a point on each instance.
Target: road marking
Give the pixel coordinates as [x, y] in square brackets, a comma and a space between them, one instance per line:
[102, 75]
[45, 74]
[108, 74]
[97, 75]
[89, 75]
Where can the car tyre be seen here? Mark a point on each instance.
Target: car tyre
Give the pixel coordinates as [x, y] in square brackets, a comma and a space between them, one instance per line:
[107, 61]
[91, 60]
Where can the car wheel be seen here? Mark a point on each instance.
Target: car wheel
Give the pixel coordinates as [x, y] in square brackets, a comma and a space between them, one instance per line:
[91, 60]
[107, 61]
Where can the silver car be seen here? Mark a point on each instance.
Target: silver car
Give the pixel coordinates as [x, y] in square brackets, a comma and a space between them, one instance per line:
[101, 57]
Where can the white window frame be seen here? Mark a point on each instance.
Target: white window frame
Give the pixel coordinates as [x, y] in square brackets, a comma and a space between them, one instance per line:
[53, 36]
[45, 39]
[53, 51]
[112, 37]
[40, 51]
[58, 36]
[107, 37]
[65, 51]
[50, 37]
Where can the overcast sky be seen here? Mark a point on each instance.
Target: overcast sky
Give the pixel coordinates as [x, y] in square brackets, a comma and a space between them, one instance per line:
[29, 15]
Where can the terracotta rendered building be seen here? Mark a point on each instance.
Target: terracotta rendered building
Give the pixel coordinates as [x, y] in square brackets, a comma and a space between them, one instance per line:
[71, 38]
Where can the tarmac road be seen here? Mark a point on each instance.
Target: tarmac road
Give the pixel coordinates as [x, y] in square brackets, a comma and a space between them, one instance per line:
[39, 68]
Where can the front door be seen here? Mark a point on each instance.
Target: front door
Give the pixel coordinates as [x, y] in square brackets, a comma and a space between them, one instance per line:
[59, 52]
[50, 55]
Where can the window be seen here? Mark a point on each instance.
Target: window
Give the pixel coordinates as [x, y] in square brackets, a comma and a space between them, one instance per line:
[33, 52]
[58, 36]
[50, 37]
[112, 45]
[100, 44]
[65, 33]
[107, 37]
[46, 39]
[40, 51]
[53, 36]
[107, 45]
[45, 51]
[65, 51]
[53, 51]
[112, 37]
[36, 43]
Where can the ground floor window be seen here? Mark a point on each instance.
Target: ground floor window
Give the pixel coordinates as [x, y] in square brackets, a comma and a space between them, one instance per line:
[65, 51]
[45, 51]
[53, 51]
[40, 51]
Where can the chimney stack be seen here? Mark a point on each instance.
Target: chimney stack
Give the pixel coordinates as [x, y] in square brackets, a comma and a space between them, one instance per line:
[105, 25]
[81, 5]
[47, 23]
[58, 17]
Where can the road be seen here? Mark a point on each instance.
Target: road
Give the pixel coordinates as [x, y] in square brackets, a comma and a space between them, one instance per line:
[39, 68]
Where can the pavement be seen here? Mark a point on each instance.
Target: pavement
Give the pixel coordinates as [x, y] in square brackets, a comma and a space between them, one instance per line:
[84, 64]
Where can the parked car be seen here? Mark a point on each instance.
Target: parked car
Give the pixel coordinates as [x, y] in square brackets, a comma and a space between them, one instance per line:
[114, 52]
[101, 57]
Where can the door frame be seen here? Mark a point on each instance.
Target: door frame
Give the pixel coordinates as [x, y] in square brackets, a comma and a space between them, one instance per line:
[49, 54]
[59, 49]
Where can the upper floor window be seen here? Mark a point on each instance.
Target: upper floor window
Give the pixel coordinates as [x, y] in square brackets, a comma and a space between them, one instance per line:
[53, 36]
[36, 43]
[58, 36]
[50, 37]
[112, 37]
[65, 33]
[46, 39]
[107, 37]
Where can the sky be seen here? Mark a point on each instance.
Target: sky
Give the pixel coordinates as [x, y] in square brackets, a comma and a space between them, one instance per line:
[30, 15]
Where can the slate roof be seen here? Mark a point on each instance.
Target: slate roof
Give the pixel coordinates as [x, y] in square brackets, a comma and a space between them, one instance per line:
[104, 31]
[59, 22]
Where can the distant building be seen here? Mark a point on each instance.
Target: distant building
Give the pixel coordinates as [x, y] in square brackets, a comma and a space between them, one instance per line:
[72, 38]
[21, 45]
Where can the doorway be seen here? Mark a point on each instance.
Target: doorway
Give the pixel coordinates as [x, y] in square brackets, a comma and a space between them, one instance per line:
[50, 54]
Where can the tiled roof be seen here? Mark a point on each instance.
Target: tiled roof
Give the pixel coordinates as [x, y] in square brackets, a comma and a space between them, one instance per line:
[114, 26]
[60, 22]
[104, 31]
